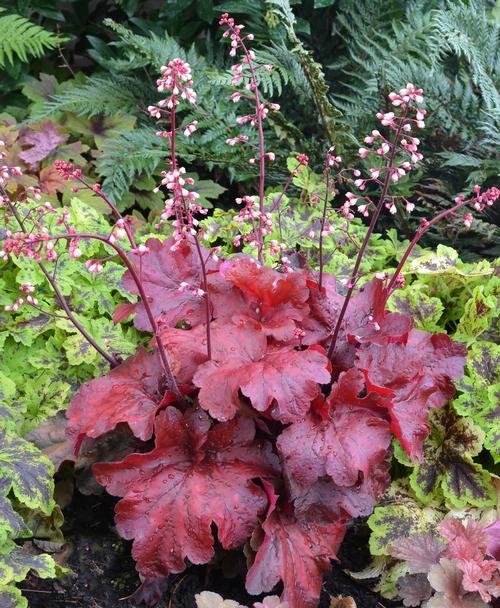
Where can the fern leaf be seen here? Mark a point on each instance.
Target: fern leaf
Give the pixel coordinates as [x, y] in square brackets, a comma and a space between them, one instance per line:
[23, 39]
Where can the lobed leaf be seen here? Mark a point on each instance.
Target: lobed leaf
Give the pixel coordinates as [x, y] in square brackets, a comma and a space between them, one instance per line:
[295, 551]
[132, 393]
[205, 477]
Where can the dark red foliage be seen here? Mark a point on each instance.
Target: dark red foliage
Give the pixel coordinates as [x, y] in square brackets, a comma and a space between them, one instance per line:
[280, 413]
[295, 551]
[275, 299]
[195, 476]
[162, 271]
[420, 372]
[132, 393]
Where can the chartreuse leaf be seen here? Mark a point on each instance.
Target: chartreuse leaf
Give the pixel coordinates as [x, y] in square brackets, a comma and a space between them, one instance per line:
[27, 471]
[100, 289]
[7, 388]
[11, 523]
[445, 260]
[399, 516]
[388, 583]
[480, 311]
[113, 337]
[15, 564]
[480, 399]
[11, 597]
[447, 465]
[414, 302]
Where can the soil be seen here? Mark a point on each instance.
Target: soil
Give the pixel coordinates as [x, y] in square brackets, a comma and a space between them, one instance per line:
[103, 573]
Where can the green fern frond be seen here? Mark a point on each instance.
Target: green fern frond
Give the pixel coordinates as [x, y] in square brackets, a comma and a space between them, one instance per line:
[124, 157]
[312, 72]
[100, 95]
[153, 50]
[23, 39]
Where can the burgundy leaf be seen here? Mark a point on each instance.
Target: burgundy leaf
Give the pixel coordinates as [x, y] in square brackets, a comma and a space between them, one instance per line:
[275, 299]
[366, 320]
[326, 500]
[285, 381]
[162, 271]
[131, 393]
[420, 373]
[195, 476]
[295, 552]
[42, 142]
[188, 348]
[352, 439]
[122, 312]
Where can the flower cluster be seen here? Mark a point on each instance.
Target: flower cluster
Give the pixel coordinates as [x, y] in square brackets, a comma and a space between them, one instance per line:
[399, 153]
[182, 204]
[177, 80]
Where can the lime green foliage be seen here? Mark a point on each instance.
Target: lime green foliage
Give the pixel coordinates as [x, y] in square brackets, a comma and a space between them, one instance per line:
[447, 471]
[480, 398]
[400, 514]
[25, 480]
[22, 39]
[36, 343]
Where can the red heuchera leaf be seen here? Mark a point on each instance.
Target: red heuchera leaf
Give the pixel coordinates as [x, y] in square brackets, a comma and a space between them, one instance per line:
[366, 320]
[369, 322]
[328, 501]
[162, 271]
[131, 393]
[195, 476]
[420, 373]
[188, 348]
[296, 552]
[275, 299]
[42, 142]
[352, 438]
[284, 381]
[122, 312]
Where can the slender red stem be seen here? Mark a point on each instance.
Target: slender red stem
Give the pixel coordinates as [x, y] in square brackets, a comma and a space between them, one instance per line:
[361, 252]
[322, 227]
[277, 202]
[113, 208]
[418, 235]
[113, 361]
[172, 384]
[198, 248]
[262, 150]
[206, 297]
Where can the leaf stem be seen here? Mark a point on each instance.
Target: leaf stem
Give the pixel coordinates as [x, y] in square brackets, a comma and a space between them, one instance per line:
[112, 360]
[361, 252]
[172, 384]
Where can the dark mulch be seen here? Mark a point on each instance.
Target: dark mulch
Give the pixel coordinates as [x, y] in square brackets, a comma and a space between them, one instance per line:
[104, 573]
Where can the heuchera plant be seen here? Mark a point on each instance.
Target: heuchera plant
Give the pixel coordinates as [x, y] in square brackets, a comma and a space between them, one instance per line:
[459, 570]
[271, 393]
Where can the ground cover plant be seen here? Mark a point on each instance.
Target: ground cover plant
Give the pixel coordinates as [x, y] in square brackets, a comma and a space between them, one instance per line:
[271, 392]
